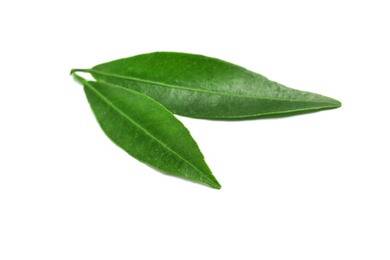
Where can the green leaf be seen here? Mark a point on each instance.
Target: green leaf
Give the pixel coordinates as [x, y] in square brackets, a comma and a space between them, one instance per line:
[147, 131]
[203, 87]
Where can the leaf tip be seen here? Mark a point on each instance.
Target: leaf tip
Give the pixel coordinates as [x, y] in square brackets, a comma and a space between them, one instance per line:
[215, 185]
[336, 103]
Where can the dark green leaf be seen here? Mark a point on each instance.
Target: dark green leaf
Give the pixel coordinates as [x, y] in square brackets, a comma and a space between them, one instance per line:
[147, 131]
[203, 87]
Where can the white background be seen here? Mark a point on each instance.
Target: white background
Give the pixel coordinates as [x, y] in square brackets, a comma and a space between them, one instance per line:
[314, 186]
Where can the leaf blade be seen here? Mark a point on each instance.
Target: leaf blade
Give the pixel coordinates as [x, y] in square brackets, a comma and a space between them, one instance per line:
[147, 131]
[203, 87]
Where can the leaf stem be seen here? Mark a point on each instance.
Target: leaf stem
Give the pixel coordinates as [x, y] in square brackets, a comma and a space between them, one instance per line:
[80, 70]
[79, 79]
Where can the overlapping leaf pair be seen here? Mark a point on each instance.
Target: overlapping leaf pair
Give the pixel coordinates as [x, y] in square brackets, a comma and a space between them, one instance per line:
[134, 100]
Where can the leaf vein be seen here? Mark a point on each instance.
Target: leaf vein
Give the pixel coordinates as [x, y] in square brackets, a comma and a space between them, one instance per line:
[196, 90]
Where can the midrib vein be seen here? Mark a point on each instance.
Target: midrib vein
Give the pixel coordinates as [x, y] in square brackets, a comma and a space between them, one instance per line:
[199, 90]
[144, 130]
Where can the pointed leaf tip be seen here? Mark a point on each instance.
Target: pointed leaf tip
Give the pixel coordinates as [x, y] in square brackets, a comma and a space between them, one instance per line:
[218, 186]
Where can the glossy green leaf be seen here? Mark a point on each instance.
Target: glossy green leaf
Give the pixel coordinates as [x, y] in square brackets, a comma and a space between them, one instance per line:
[147, 131]
[203, 87]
